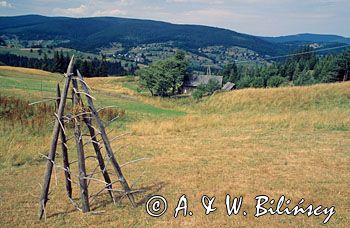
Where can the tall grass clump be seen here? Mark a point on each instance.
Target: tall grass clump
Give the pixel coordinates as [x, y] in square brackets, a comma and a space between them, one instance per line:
[19, 113]
[26, 129]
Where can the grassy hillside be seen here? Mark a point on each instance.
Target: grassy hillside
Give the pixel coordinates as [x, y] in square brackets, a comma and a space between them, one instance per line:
[36, 84]
[292, 141]
[278, 100]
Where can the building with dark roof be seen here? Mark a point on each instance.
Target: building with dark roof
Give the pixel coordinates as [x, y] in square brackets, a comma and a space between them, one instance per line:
[192, 82]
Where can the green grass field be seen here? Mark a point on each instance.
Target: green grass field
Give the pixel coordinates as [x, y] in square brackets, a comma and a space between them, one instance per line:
[291, 141]
[40, 84]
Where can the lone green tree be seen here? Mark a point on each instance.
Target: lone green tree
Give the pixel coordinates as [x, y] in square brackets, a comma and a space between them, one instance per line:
[165, 78]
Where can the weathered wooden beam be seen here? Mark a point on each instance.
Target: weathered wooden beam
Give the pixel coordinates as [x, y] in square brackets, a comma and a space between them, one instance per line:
[99, 156]
[96, 146]
[64, 150]
[84, 194]
[106, 142]
[346, 74]
[53, 147]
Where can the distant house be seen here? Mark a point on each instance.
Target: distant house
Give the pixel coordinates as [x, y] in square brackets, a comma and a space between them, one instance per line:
[192, 82]
[229, 86]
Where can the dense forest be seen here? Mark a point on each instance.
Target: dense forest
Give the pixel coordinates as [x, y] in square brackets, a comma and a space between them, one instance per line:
[304, 68]
[90, 68]
[92, 34]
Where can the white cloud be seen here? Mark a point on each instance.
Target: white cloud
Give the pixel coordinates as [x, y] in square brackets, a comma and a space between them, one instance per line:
[5, 4]
[95, 8]
[111, 12]
[205, 16]
[78, 11]
[105, 3]
[211, 2]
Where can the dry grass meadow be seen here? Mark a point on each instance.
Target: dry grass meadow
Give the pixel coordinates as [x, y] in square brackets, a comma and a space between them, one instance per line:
[291, 141]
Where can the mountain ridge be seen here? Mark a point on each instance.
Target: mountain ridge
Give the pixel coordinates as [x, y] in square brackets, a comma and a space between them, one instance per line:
[308, 37]
[122, 36]
[89, 34]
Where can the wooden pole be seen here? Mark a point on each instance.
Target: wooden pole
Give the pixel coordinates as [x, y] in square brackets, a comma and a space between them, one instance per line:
[64, 151]
[84, 194]
[106, 142]
[346, 74]
[99, 156]
[97, 149]
[53, 147]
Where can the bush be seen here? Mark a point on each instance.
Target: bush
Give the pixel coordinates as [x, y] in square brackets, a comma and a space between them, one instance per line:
[257, 82]
[206, 90]
[276, 81]
[304, 78]
[244, 82]
[198, 94]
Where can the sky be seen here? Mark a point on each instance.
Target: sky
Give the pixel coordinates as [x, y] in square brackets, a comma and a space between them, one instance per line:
[256, 17]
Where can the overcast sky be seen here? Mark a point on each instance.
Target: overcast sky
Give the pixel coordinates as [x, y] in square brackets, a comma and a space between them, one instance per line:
[256, 17]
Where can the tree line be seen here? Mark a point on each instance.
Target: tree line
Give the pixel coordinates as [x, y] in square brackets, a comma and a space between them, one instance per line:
[91, 68]
[166, 77]
[303, 68]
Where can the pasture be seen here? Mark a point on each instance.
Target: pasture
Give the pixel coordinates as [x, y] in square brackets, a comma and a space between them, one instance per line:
[291, 141]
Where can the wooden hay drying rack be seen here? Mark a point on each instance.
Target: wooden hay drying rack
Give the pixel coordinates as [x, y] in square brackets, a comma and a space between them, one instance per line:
[80, 116]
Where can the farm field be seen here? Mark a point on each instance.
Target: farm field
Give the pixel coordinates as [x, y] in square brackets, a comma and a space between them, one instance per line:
[291, 141]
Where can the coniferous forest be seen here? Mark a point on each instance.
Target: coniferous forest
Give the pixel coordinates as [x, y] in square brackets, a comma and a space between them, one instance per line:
[90, 68]
[302, 68]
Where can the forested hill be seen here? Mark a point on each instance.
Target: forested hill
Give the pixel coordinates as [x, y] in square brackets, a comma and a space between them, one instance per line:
[90, 34]
[309, 38]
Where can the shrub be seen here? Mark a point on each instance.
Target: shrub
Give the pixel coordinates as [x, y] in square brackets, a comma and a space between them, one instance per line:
[304, 78]
[198, 94]
[257, 82]
[206, 90]
[276, 81]
[244, 82]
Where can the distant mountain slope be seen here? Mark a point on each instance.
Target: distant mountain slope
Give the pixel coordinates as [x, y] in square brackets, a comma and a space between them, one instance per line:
[90, 34]
[308, 37]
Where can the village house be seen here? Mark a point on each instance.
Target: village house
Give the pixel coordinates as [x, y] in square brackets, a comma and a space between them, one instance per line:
[192, 82]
